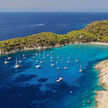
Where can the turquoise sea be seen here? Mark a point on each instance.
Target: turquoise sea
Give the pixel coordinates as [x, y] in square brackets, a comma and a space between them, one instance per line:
[31, 87]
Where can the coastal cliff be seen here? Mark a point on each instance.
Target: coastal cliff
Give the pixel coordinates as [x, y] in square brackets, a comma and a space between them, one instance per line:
[102, 96]
[94, 32]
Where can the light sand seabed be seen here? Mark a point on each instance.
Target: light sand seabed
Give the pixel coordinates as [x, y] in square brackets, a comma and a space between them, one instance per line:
[102, 96]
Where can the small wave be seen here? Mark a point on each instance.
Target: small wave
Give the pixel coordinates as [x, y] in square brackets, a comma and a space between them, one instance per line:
[38, 25]
[63, 25]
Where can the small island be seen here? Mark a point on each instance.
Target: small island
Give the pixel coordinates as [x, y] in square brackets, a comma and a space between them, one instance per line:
[95, 32]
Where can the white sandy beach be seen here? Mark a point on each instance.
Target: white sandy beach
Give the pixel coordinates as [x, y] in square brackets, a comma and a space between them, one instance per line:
[99, 43]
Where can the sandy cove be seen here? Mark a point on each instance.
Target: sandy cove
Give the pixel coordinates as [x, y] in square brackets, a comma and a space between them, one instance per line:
[102, 96]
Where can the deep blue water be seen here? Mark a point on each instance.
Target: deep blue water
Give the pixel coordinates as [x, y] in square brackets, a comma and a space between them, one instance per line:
[29, 87]
[14, 25]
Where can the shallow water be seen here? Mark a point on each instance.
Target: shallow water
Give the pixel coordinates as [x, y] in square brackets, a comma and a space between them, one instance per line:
[29, 87]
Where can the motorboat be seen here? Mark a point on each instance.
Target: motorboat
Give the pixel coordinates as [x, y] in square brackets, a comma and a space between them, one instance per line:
[60, 79]
[37, 66]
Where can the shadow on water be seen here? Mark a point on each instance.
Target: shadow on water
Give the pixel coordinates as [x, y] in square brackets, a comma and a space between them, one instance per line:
[43, 80]
[23, 78]
[33, 97]
[7, 70]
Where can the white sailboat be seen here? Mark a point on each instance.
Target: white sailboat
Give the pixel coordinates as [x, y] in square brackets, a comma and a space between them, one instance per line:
[80, 69]
[36, 54]
[68, 61]
[6, 62]
[70, 91]
[48, 55]
[52, 52]
[58, 68]
[58, 57]
[19, 61]
[52, 65]
[17, 65]
[24, 57]
[65, 68]
[33, 56]
[76, 60]
[41, 61]
[44, 57]
[51, 60]
[37, 60]
[51, 57]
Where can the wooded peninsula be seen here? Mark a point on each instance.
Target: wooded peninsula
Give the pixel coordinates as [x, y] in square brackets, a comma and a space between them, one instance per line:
[95, 32]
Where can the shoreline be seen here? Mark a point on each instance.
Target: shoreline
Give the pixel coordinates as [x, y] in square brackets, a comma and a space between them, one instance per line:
[102, 96]
[48, 47]
[30, 49]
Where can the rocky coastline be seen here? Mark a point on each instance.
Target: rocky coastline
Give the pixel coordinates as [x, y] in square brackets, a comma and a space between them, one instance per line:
[48, 47]
[29, 49]
[102, 96]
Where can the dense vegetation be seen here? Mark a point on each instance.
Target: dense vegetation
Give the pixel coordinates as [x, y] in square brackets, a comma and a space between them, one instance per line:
[94, 32]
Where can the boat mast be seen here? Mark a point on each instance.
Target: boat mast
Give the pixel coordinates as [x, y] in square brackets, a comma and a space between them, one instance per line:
[16, 61]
